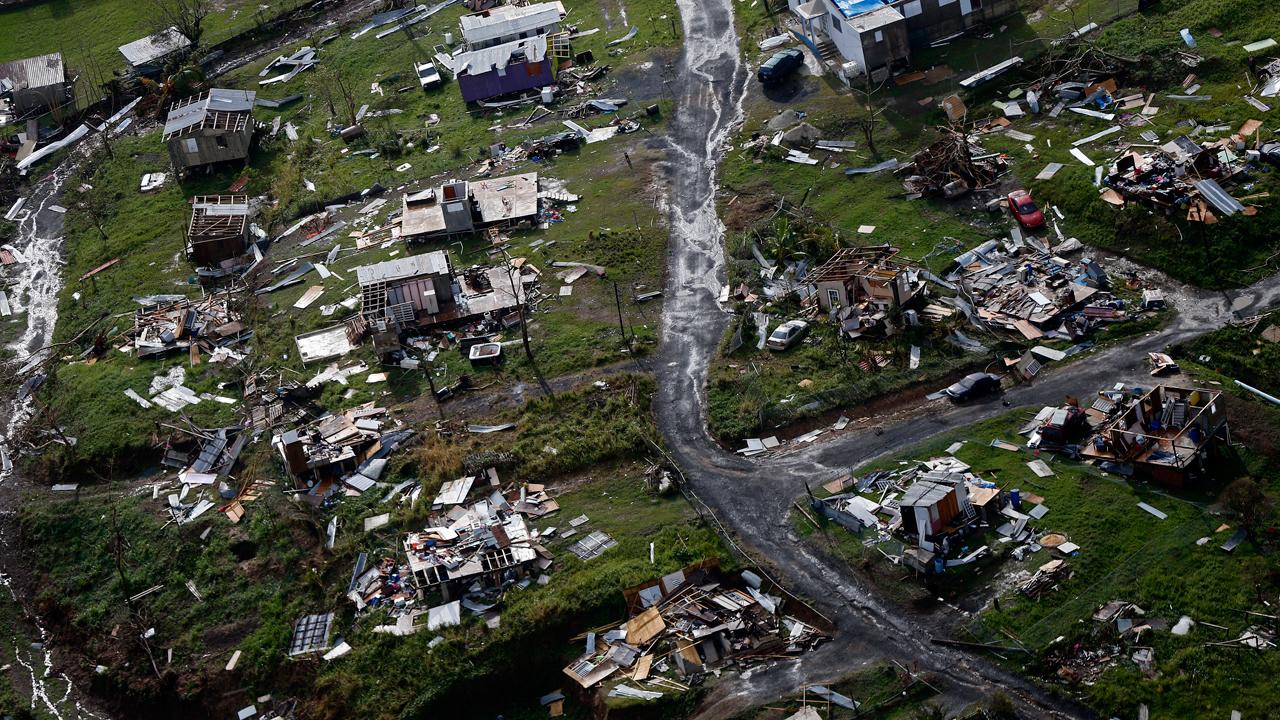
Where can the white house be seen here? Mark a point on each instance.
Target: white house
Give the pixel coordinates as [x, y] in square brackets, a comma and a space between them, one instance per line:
[869, 36]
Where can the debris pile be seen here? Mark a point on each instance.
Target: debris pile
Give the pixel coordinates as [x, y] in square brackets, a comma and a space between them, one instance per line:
[168, 323]
[926, 513]
[692, 622]
[475, 551]
[346, 451]
[1183, 175]
[1026, 286]
[952, 167]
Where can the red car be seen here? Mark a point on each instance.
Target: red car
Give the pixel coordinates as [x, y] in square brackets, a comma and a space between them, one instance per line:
[1024, 208]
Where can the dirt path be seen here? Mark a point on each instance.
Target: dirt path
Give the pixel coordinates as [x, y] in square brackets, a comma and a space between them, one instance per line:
[753, 498]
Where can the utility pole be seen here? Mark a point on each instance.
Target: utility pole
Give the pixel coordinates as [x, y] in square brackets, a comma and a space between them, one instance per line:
[431, 381]
[617, 299]
[524, 328]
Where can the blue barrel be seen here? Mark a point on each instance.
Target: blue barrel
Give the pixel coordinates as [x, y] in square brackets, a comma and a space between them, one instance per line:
[1015, 497]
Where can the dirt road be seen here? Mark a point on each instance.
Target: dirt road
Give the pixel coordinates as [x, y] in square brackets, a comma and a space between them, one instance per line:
[753, 498]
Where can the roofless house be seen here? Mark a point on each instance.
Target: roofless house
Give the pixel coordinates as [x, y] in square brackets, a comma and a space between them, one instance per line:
[219, 229]
[209, 128]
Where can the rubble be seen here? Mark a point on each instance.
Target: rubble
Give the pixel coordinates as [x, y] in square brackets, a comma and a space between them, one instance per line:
[168, 323]
[1182, 175]
[951, 167]
[693, 622]
[1025, 286]
[344, 451]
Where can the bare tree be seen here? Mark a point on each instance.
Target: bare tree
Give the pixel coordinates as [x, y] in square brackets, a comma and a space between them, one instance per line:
[335, 90]
[870, 117]
[186, 15]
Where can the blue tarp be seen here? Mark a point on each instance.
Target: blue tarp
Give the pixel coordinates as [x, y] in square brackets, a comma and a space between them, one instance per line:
[854, 8]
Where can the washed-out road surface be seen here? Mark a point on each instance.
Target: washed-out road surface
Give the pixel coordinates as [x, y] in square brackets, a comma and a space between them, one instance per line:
[752, 498]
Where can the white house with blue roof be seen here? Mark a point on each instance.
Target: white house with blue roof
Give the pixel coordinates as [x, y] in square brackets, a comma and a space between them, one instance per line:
[870, 36]
[860, 36]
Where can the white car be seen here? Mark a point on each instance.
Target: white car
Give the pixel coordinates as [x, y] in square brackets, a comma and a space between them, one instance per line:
[787, 335]
[428, 75]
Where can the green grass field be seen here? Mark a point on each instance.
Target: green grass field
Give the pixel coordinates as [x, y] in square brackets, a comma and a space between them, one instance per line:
[1125, 554]
[88, 32]
[273, 562]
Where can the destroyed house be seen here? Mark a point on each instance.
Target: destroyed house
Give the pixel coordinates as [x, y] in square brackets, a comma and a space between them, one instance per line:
[1181, 174]
[1026, 288]
[509, 23]
[485, 545]
[344, 449]
[1165, 435]
[213, 127]
[219, 229]
[934, 506]
[149, 55]
[499, 70]
[408, 292]
[693, 621]
[865, 286]
[38, 83]
[169, 323]
[460, 206]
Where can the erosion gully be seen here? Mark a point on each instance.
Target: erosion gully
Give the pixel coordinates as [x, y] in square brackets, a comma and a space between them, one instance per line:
[752, 498]
[39, 239]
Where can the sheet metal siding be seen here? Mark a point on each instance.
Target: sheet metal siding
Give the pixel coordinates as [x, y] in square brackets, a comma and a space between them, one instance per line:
[520, 76]
[211, 252]
[207, 150]
[938, 21]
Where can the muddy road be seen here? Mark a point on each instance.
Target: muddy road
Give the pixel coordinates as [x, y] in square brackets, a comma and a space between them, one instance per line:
[753, 498]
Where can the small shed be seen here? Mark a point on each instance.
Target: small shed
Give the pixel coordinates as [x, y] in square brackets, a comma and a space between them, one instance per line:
[412, 291]
[148, 55]
[219, 229]
[933, 504]
[35, 83]
[213, 127]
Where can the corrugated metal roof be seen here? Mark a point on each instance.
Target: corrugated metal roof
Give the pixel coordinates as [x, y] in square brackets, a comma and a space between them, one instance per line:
[186, 114]
[478, 62]
[1220, 198]
[154, 47]
[36, 72]
[432, 263]
[509, 20]
[924, 494]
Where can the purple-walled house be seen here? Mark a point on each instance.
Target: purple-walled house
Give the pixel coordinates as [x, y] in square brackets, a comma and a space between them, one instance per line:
[506, 68]
[510, 49]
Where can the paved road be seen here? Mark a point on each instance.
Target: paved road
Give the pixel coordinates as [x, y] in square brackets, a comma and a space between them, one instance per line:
[753, 497]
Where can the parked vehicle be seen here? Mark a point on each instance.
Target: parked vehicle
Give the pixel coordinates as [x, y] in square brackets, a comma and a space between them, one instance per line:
[780, 66]
[428, 75]
[973, 386]
[787, 335]
[1025, 210]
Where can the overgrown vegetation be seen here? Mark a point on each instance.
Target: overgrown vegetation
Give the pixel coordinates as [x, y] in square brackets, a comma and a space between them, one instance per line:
[590, 447]
[1126, 554]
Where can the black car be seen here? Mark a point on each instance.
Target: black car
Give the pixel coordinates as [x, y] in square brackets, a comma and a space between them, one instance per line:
[780, 66]
[973, 386]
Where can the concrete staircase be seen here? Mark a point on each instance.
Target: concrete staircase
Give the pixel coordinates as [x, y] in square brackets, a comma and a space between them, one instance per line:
[828, 53]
